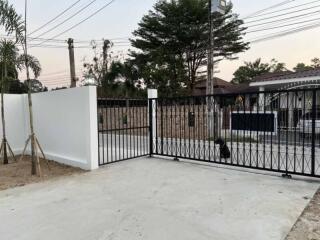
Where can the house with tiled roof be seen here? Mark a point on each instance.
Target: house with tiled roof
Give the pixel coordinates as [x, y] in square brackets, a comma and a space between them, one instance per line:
[287, 80]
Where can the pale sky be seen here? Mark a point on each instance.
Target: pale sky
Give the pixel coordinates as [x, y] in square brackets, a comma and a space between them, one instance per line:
[120, 18]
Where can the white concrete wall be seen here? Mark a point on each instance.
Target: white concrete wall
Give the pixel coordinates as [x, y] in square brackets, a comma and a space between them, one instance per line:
[15, 122]
[65, 124]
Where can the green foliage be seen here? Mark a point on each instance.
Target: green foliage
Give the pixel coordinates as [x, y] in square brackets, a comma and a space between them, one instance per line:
[250, 70]
[10, 63]
[11, 21]
[301, 67]
[315, 63]
[35, 86]
[172, 42]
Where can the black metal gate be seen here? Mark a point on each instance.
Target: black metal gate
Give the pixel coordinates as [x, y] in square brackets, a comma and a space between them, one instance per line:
[273, 131]
[123, 127]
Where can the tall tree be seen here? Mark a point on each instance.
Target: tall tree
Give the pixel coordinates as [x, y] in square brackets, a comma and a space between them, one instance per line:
[172, 42]
[11, 63]
[13, 23]
[8, 56]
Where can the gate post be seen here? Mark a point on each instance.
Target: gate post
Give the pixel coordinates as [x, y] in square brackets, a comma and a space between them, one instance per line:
[152, 102]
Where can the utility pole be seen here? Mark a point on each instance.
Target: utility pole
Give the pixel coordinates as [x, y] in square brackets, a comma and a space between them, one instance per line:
[72, 63]
[210, 52]
[215, 6]
[106, 45]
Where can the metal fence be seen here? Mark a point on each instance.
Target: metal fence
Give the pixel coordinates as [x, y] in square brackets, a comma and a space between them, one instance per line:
[123, 127]
[274, 131]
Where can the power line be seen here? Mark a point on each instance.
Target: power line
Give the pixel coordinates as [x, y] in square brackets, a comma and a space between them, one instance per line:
[269, 8]
[283, 19]
[289, 13]
[84, 20]
[281, 26]
[285, 33]
[56, 17]
[72, 16]
[285, 9]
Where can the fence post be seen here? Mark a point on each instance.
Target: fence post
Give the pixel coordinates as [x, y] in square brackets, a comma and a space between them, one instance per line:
[152, 102]
[313, 147]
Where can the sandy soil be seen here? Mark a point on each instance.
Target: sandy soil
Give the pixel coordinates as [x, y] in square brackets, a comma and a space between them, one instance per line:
[308, 225]
[19, 173]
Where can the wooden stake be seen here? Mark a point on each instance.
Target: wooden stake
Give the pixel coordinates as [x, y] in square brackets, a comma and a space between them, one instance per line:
[37, 158]
[41, 150]
[25, 148]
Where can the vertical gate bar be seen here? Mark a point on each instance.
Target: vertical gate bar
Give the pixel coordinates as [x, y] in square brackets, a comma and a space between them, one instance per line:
[203, 128]
[156, 102]
[209, 127]
[180, 123]
[258, 128]
[184, 127]
[116, 132]
[120, 127]
[171, 127]
[264, 132]
[250, 130]
[166, 126]
[142, 152]
[130, 127]
[161, 125]
[214, 101]
[238, 113]
[303, 130]
[134, 115]
[295, 132]
[279, 130]
[99, 132]
[145, 123]
[313, 148]
[287, 133]
[271, 137]
[231, 133]
[220, 102]
[223, 118]
[111, 131]
[127, 127]
[194, 127]
[244, 131]
[104, 129]
[199, 128]
[175, 127]
[150, 128]
[123, 127]
[189, 110]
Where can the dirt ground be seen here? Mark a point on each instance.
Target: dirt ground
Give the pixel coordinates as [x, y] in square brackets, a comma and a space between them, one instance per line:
[18, 173]
[308, 225]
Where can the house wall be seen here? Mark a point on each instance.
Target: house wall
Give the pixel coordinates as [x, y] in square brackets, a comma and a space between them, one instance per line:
[65, 124]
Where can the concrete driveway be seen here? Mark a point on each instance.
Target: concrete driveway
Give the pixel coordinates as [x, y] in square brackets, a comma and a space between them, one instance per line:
[156, 199]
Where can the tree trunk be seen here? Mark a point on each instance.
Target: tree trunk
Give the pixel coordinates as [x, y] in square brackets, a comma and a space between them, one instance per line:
[4, 140]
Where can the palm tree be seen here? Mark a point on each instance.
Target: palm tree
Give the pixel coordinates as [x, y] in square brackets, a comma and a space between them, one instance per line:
[8, 55]
[13, 24]
[10, 59]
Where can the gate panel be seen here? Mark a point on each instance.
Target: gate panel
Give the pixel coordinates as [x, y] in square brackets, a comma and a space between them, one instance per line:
[273, 131]
[123, 129]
